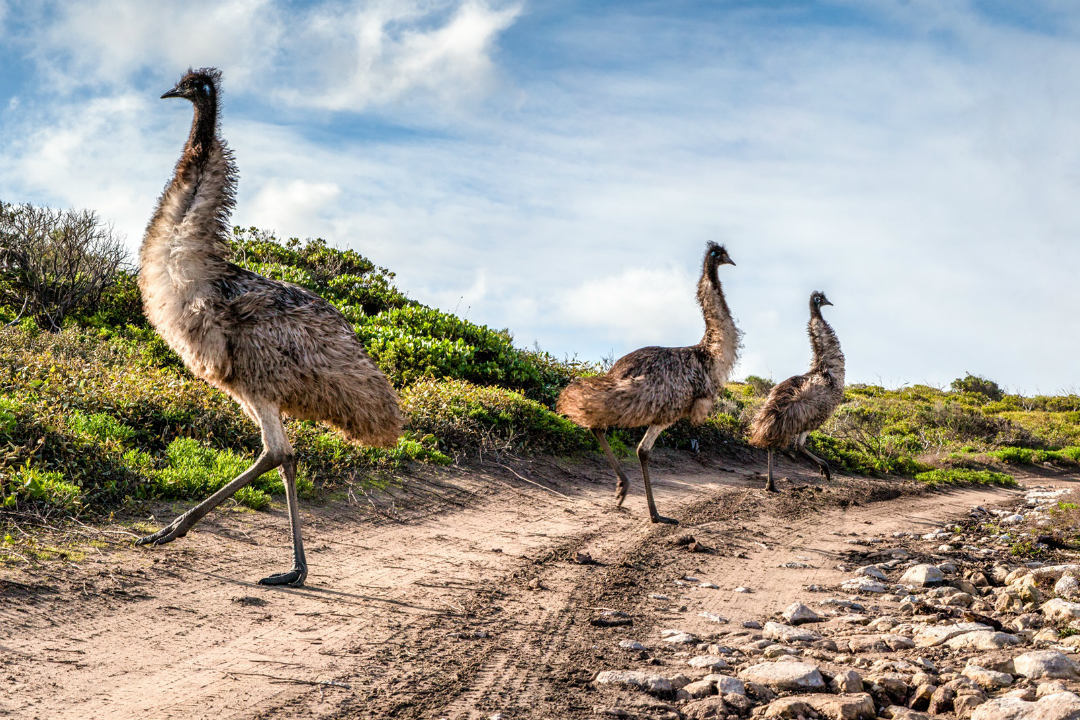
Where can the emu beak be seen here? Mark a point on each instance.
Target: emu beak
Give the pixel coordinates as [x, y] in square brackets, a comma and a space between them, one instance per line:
[728, 261]
[825, 301]
[172, 93]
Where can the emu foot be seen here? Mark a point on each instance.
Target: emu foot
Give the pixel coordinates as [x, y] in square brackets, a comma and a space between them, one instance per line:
[175, 529]
[825, 473]
[294, 577]
[770, 486]
[620, 492]
[657, 518]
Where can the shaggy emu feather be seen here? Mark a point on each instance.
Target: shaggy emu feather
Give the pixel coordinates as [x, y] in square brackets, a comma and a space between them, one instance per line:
[272, 346]
[802, 403]
[656, 386]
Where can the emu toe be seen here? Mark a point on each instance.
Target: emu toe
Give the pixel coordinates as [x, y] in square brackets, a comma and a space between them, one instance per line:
[664, 520]
[294, 577]
[165, 535]
[620, 492]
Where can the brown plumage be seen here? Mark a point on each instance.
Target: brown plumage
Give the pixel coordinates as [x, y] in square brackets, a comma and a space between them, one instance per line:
[656, 386]
[273, 346]
[803, 403]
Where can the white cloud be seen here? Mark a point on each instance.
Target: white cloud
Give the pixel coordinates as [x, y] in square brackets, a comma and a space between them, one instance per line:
[288, 207]
[330, 56]
[108, 42]
[383, 52]
[638, 305]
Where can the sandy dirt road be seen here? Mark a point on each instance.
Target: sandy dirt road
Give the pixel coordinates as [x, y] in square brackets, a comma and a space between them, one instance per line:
[460, 598]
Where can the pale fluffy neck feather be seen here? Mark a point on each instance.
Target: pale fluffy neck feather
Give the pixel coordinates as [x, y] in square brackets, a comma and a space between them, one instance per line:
[187, 239]
[721, 338]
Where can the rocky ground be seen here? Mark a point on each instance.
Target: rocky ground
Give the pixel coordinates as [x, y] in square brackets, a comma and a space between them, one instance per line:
[978, 618]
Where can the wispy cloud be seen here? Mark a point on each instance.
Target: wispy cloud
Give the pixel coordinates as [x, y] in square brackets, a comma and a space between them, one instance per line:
[389, 52]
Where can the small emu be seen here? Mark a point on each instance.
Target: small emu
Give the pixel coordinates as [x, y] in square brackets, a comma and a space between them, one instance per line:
[272, 346]
[802, 403]
[656, 386]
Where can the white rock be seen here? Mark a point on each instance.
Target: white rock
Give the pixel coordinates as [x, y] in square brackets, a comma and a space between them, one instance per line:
[922, 576]
[788, 634]
[712, 617]
[709, 662]
[785, 675]
[681, 638]
[871, 571]
[1053, 572]
[698, 689]
[1058, 609]
[640, 679]
[631, 645]
[1050, 688]
[1048, 664]
[982, 640]
[847, 681]
[743, 589]
[796, 614]
[1014, 519]
[1061, 706]
[726, 684]
[989, 679]
[863, 584]
[937, 634]
[1068, 587]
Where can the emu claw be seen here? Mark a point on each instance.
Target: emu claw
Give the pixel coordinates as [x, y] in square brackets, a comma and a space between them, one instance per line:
[664, 520]
[166, 534]
[294, 577]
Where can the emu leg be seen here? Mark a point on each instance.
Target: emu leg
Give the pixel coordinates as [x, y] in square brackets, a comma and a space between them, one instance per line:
[623, 484]
[276, 452]
[296, 575]
[644, 448]
[769, 485]
[822, 465]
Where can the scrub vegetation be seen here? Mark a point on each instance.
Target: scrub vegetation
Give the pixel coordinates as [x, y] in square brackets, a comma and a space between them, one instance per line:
[97, 414]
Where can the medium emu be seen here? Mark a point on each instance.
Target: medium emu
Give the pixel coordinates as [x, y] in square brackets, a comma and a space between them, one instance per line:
[272, 346]
[802, 403]
[655, 386]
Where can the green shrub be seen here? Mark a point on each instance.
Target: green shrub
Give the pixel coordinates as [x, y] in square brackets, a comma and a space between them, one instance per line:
[464, 416]
[33, 485]
[976, 385]
[101, 427]
[965, 476]
[759, 386]
[195, 470]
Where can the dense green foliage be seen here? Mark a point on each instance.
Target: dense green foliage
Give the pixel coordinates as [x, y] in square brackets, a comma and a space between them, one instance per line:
[102, 414]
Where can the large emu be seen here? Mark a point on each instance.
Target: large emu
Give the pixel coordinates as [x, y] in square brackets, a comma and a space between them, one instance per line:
[802, 403]
[272, 346]
[656, 386]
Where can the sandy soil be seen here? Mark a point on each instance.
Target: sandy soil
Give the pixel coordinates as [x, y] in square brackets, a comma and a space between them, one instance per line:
[460, 597]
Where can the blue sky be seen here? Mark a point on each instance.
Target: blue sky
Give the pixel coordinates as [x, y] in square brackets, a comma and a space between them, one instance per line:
[557, 167]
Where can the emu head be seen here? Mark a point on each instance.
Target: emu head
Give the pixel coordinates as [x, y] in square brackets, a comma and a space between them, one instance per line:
[199, 86]
[817, 299]
[716, 255]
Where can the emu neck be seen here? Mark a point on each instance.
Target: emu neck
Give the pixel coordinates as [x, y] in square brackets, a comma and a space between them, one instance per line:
[203, 132]
[721, 338]
[186, 241]
[825, 346]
